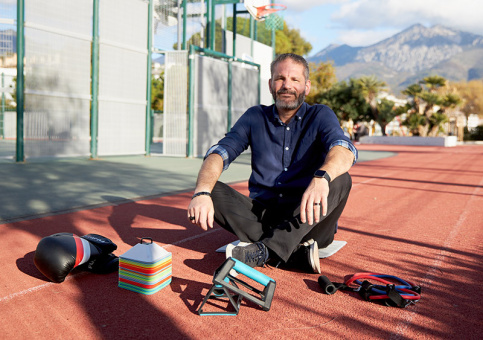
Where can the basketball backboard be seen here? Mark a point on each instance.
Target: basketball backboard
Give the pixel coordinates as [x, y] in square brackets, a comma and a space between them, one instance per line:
[256, 7]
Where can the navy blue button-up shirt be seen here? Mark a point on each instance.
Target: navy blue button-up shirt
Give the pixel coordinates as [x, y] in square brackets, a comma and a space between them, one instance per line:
[284, 156]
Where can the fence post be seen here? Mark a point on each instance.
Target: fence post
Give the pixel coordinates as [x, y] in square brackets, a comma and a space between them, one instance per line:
[148, 80]
[185, 18]
[2, 113]
[229, 92]
[95, 79]
[191, 98]
[20, 153]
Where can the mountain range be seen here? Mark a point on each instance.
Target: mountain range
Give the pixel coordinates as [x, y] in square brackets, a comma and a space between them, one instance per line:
[409, 56]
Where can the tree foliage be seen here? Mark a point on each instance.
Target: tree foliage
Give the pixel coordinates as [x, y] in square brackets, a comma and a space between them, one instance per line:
[433, 83]
[429, 101]
[370, 88]
[287, 40]
[157, 93]
[386, 112]
[346, 100]
[322, 77]
[471, 94]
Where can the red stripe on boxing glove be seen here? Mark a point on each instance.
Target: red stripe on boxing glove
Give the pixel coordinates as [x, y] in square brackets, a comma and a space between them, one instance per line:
[57, 255]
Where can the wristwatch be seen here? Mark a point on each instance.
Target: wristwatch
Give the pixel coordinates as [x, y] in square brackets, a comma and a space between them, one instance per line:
[322, 174]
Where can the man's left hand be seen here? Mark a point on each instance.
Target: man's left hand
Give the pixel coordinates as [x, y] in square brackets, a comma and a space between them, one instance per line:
[314, 200]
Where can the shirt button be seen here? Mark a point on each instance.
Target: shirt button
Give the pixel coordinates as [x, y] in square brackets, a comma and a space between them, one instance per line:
[286, 148]
[281, 195]
[279, 183]
[285, 169]
[288, 128]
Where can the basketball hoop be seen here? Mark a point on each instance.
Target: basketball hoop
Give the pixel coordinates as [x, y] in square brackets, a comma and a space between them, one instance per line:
[264, 11]
[261, 9]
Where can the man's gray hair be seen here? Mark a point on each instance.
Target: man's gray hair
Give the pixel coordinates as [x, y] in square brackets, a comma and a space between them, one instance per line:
[295, 58]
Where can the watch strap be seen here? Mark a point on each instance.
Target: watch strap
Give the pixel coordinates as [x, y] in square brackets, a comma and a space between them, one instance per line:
[322, 174]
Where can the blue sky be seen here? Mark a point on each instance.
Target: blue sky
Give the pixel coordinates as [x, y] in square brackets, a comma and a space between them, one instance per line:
[365, 22]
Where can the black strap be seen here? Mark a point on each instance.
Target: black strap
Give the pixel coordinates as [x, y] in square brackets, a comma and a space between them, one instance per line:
[395, 299]
[330, 288]
[365, 290]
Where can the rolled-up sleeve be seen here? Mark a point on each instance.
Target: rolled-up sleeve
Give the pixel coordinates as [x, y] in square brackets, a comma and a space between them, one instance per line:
[346, 145]
[222, 152]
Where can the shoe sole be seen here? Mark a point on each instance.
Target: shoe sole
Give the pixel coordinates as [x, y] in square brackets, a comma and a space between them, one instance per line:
[229, 248]
[229, 253]
[313, 255]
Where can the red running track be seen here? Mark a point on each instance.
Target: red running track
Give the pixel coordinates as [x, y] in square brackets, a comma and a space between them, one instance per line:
[417, 215]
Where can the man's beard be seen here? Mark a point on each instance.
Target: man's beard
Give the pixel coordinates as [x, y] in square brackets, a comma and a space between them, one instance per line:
[288, 105]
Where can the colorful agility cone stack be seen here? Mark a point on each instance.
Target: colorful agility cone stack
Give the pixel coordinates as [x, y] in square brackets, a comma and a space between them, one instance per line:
[146, 268]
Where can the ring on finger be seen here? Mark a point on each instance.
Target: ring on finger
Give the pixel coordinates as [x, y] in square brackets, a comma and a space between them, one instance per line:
[192, 218]
[317, 203]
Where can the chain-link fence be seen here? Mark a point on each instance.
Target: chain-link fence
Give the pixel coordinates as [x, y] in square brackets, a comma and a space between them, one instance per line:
[8, 73]
[86, 88]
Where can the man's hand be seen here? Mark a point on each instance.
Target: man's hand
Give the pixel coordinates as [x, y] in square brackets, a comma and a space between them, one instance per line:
[314, 200]
[200, 209]
[201, 212]
[338, 161]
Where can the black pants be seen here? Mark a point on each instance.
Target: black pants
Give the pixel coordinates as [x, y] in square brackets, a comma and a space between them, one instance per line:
[279, 228]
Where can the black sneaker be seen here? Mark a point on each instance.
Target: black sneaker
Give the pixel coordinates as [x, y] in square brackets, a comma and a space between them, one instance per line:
[306, 257]
[252, 254]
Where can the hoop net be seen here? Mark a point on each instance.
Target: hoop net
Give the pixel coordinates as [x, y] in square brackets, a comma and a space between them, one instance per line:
[273, 21]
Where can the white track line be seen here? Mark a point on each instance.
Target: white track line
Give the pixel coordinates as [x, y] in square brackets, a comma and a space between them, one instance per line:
[49, 284]
[192, 238]
[36, 288]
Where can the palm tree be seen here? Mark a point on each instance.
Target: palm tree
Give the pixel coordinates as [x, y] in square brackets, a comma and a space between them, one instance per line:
[370, 87]
[386, 113]
[414, 122]
[414, 92]
[431, 100]
[434, 82]
[437, 120]
[449, 101]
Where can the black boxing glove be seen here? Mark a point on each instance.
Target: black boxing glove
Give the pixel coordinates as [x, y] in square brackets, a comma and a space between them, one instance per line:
[57, 255]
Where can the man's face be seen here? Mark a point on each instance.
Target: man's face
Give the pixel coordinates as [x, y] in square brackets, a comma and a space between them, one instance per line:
[288, 85]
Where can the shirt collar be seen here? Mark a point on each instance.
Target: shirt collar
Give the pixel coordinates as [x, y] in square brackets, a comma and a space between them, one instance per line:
[298, 115]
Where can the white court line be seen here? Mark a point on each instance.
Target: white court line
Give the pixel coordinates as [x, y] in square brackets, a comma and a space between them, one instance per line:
[25, 292]
[36, 288]
[192, 238]
[48, 284]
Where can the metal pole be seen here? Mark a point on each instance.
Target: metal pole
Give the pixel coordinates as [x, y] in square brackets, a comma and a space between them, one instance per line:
[191, 98]
[179, 16]
[223, 29]
[95, 79]
[185, 18]
[20, 155]
[234, 31]
[230, 85]
[148, 80]
[213, 25]
[273, 42]
[208, 24]
[252, 35]
[2, 113]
